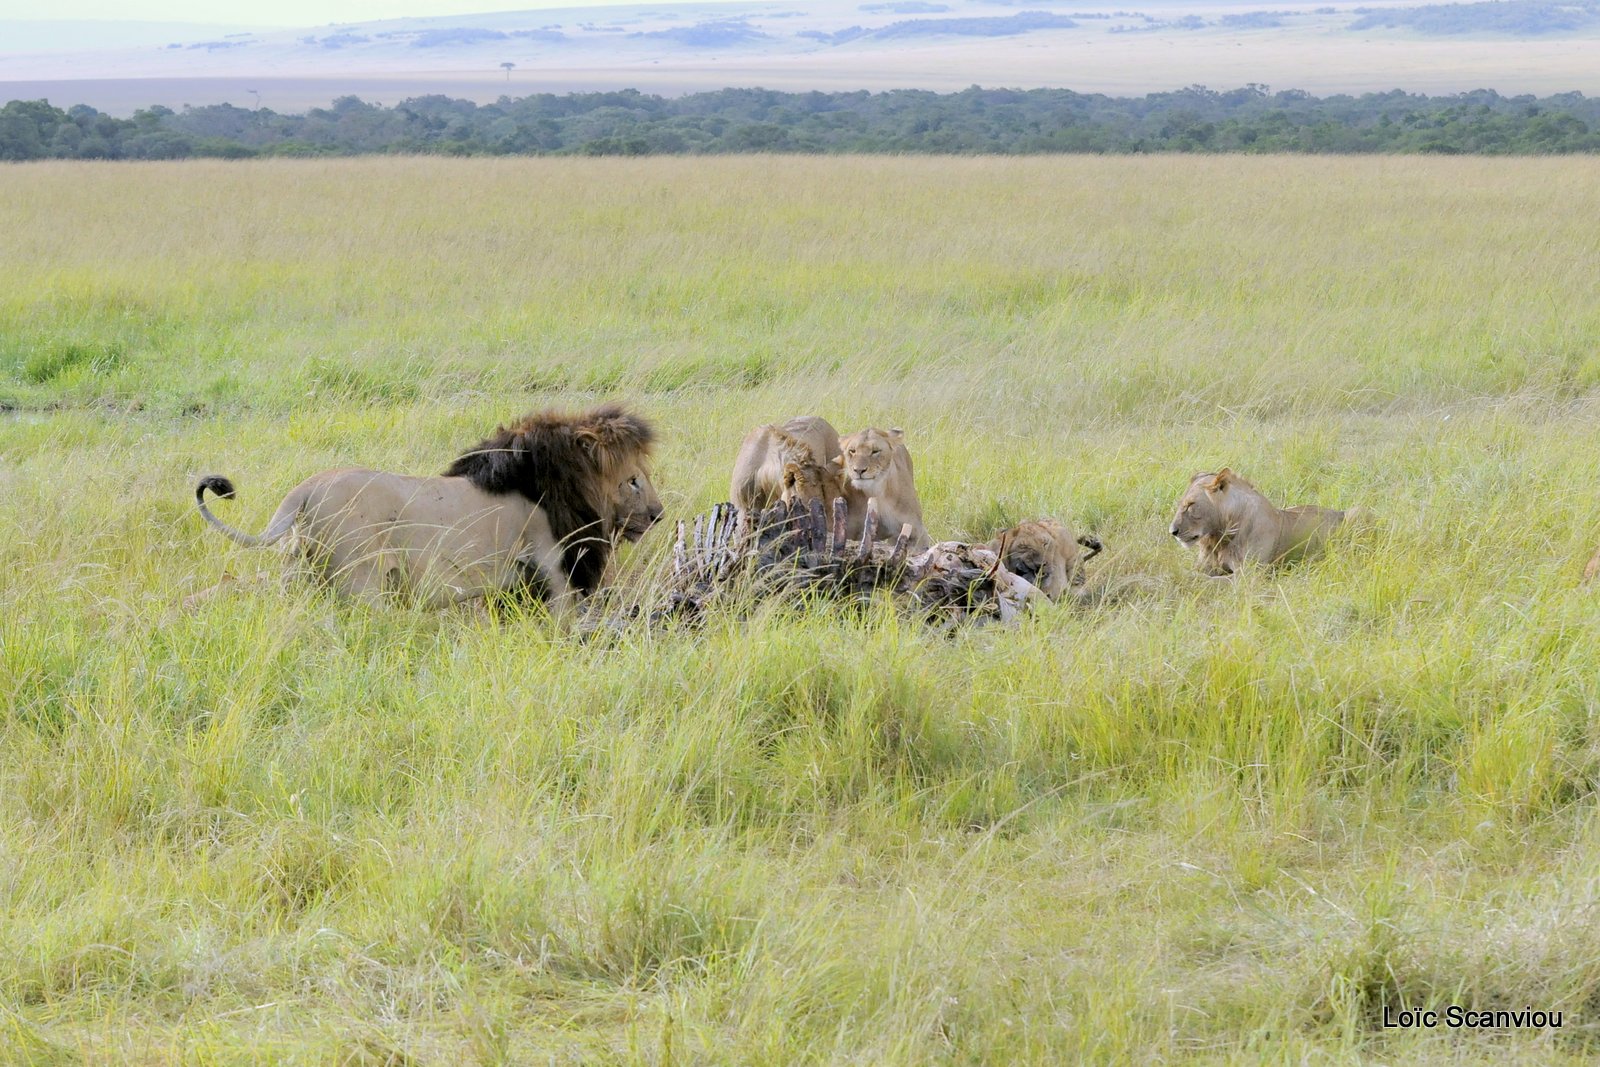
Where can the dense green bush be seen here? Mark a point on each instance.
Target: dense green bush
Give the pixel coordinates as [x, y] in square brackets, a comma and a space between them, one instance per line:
[987, 121]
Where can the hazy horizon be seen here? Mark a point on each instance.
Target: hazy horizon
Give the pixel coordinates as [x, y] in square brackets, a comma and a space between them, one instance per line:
[286, 14]
[111, 56]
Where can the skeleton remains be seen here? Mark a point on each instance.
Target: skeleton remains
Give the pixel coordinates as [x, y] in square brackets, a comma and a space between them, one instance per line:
[791, 550]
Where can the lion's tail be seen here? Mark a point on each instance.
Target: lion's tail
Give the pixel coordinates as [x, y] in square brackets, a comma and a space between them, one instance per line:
[281, 522]
[1092, 543]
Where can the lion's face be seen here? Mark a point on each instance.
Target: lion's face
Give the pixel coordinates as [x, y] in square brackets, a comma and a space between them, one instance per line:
[868, 456]
[1200, 510]
[636, 507]
[803, 483]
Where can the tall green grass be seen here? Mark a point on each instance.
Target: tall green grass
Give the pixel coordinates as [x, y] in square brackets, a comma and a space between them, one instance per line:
[1188, 819]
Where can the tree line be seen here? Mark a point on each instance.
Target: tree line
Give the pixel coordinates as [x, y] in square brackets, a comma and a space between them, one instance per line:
[1002, 121]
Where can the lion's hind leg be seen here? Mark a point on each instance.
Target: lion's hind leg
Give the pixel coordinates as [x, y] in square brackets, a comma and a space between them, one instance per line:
[374, 580]
[368, 573]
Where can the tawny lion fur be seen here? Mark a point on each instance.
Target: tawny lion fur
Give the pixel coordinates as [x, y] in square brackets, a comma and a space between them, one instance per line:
[1229, 522]
[538, 506]
[1045, 553]
[788, 462]
[877, 465]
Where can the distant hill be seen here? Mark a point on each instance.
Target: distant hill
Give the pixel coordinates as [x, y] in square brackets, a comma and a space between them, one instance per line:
[21, 36]
[1517, 18]
[1127, 47]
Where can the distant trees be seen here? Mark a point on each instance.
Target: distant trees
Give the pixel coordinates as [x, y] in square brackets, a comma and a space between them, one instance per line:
[999, 121]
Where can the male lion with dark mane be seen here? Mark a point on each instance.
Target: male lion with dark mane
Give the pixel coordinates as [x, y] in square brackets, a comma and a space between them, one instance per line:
[1229, 521]
[538, 506]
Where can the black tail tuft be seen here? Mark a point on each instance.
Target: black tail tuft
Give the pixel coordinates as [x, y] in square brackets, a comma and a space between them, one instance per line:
[1092, 543]
[217, 484]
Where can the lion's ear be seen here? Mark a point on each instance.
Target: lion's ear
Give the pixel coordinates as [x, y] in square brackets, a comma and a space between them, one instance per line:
[897, 432]
[611, 434]
[1221, 480]
[838, 461]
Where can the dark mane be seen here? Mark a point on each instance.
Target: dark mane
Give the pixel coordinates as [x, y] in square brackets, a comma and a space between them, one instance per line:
[564, 463]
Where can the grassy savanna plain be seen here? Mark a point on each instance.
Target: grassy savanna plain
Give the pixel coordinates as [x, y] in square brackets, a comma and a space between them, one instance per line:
[1187, 819]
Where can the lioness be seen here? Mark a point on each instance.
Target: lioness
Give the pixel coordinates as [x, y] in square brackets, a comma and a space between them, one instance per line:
[1045, 553]
[538, 506]
[1229, 521]
[789, 462]
[876, 464]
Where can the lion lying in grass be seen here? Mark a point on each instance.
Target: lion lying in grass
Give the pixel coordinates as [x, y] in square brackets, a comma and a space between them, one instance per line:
[1230, 522]
[539, 506]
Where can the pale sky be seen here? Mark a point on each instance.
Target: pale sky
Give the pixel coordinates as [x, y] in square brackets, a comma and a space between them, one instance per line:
[271, 13]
